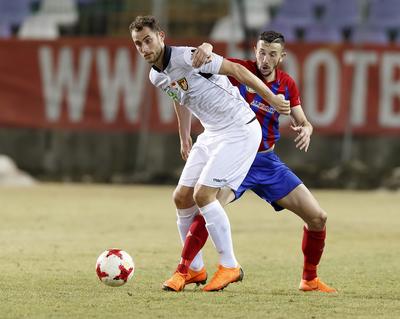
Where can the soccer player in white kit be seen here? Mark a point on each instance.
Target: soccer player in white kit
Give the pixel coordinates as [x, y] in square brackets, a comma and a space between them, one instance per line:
[224, 152]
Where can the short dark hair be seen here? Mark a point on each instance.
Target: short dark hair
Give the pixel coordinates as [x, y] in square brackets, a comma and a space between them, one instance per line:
[272, 37]
[144, 21]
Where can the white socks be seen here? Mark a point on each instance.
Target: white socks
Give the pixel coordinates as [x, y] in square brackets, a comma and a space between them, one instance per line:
[219, 229]
[184, 220]
[197, 263]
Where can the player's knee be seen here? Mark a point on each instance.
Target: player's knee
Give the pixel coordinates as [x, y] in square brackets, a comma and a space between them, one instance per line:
[318, 221]
[183, 198]
[202, 197]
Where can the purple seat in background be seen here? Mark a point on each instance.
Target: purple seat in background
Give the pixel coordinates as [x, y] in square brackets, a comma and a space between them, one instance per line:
[384, 14]
[370, 35]
[287, 30]
[5, 30]
[296, 13]
[342, 13]
[13, 12]
[322, 33]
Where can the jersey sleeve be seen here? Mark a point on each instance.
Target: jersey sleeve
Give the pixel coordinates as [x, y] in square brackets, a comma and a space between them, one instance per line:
[152, 77]
[294, 93]
[211, 67]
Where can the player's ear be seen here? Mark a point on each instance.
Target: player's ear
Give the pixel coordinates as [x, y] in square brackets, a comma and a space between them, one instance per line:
[161, 34]
[255, 50]
[283, 55]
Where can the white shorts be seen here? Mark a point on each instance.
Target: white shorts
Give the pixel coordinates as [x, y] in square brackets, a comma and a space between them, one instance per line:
[222, 158]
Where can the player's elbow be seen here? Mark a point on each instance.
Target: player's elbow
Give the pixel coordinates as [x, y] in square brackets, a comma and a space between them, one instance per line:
[231, 69]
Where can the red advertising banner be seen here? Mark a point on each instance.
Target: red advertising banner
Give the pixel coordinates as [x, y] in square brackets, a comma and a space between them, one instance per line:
[102, 84]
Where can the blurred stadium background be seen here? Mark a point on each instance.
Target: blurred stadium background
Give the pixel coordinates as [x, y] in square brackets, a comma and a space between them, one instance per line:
[76, 103]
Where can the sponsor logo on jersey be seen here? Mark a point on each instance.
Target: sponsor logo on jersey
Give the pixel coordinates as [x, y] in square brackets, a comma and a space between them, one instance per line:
[183, 84]
[262, 106]
[173, 92]
[219, 180]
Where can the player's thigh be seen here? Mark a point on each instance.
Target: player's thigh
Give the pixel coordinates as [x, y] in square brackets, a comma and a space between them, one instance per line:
[301, 202]
[197, 160]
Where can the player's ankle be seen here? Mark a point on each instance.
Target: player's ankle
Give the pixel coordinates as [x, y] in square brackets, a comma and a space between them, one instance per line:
[182, 268]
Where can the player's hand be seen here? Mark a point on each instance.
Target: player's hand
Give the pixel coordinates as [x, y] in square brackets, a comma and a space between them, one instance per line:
[202, 55]
[303, 137]
[281, 105]
[186, 146]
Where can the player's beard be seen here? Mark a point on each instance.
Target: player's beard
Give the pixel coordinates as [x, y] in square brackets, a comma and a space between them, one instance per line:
[269, 71]
[157, 56]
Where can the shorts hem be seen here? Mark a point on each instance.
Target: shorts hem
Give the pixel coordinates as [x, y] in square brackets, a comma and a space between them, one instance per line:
[215, 186]
[276, 206]
[186, 184]
[288, 192]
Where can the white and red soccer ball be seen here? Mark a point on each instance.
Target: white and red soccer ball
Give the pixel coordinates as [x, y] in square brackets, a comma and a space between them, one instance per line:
[115, 267]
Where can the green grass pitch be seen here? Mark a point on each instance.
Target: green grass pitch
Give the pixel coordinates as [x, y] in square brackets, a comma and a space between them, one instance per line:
[51, 236]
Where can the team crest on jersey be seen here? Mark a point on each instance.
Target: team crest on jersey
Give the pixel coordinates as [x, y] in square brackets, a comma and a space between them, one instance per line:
[250, 90]
[183, 84]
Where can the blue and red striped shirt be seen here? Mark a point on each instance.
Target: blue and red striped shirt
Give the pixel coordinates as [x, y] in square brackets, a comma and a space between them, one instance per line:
[266, 114]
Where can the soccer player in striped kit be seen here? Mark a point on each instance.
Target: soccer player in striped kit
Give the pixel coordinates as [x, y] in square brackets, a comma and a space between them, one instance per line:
[268, 176]
[223, 153]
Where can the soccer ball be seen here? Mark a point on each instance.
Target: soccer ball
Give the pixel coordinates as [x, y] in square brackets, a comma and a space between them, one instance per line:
[115, 267]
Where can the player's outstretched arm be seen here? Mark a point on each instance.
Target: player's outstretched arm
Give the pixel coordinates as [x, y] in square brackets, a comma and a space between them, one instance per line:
[184, 124]
[240, 73]
[302, 127]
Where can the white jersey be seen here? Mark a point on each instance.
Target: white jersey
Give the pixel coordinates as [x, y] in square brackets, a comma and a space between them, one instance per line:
[209, 96]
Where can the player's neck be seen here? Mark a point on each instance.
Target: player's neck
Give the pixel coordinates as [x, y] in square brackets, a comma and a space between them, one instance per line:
[160, 61]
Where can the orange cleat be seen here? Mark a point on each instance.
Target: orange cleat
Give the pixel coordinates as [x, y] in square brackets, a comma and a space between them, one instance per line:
[178, 281]
[315, 285]
[223, 277]
[196, 277]
[175, 283]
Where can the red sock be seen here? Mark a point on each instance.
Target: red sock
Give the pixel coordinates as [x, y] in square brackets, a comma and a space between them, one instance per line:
[194, 242]
[313, 247]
